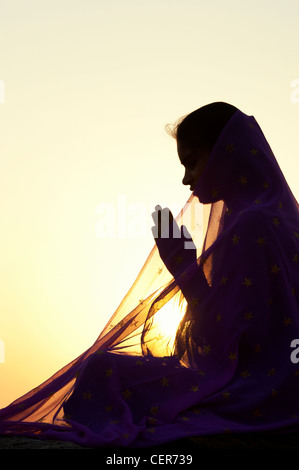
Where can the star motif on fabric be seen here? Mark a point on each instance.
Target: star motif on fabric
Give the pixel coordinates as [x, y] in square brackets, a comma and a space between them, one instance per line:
[125, 435]
[232, 356]
[274, 269]
[20, 406]
[236, 239]
[243, 180]
[108, 408]
[194, 301]
[109, 372]
[287, 321]
[249, 316]
[296, 258]
[218, 318]
[257, 201]
[253, 151]
[274, 393]
[141, 301]
[151, 430]
[230, 148]
[154, 410]
[201, 372]
[152, 420]
[296, 235]
[139, 363]
[245, 374]
[257, 348]
[165, 382]
[183, 275]
[184, 418]
[194, 388]
[247, 282]
[257, 413]
[159, 270]
[280, 205]
[226, 395]
[261, 241]
[215, 192]
[87, 396]
[207, 349]
[271, 372]
[266, 185]
[127, 394]
[275, 221]
[224, 280]
[293, 290]
[178, 259]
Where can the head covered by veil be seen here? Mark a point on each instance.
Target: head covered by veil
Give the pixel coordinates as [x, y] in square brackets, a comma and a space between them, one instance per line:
[234, 304]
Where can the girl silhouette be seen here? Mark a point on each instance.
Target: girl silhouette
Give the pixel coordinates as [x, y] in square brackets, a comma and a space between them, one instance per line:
[229, 367]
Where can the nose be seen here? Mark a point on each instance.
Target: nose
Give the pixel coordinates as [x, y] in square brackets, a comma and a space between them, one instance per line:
[186, 180]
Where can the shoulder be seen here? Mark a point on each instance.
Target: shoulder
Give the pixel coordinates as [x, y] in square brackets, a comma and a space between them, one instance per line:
[251, 215]
[251, 232]
[249, 221]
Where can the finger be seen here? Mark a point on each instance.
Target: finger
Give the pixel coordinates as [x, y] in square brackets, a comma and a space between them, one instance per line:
[156, 213]
[155, 217]
[156, 230]
[185, 233]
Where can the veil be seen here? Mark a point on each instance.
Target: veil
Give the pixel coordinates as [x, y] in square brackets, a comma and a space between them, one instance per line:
[154, 298]
[241, 197]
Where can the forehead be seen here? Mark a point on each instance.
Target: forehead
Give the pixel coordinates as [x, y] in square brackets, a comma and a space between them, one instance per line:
[183, 150]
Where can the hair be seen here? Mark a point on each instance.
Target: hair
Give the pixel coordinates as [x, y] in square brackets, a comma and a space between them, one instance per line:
[201, 128]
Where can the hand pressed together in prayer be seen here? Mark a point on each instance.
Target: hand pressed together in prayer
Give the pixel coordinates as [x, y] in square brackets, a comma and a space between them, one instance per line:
[175, 245]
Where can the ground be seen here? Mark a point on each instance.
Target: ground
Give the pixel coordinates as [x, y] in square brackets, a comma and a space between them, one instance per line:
[183, 446]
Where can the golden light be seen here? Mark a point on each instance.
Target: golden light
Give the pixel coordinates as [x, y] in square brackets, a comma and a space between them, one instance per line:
[167, 321]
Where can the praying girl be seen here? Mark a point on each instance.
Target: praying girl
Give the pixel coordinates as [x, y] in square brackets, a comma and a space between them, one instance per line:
[229, 367]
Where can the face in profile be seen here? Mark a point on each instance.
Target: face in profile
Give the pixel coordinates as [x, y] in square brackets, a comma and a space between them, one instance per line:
[194, 161]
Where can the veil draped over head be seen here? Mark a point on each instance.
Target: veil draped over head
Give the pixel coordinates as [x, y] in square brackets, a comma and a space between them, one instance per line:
[205, 351]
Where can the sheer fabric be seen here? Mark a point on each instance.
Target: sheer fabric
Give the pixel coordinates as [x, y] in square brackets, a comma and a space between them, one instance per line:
[229, 368]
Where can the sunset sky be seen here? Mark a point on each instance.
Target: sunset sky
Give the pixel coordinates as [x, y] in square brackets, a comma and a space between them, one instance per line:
[87, 88]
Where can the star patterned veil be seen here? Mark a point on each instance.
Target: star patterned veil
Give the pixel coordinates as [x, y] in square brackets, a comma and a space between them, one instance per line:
[228, 365]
